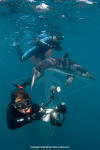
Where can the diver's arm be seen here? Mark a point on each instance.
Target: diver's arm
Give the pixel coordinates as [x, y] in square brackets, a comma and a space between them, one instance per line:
[37, 114]
[20, 121]
[45, 40]
[13, 122]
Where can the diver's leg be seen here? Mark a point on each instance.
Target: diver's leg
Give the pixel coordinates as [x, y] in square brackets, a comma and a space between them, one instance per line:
[26, 82]
[29, 53]
[26, 55]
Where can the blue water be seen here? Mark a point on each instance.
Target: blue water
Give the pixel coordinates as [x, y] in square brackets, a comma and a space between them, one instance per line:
[80, 25]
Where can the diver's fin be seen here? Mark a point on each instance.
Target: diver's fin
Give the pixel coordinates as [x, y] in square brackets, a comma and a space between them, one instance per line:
[69, 79]
[66, 56]
[18, 86]
[26, 82]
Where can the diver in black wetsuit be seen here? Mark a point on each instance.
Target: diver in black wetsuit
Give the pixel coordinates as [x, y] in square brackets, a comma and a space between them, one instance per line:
[22, 111]
[42, 48]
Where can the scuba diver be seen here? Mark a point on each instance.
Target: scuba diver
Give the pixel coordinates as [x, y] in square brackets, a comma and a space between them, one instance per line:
[21, 110]
[41, 47]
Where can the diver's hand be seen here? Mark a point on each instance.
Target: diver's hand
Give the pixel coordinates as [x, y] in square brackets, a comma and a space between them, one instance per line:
[37, 116]
[33, 116]
[29, 118]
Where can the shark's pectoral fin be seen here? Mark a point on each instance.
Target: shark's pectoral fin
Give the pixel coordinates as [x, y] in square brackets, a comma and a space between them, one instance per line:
[36, 74]
[69, 79]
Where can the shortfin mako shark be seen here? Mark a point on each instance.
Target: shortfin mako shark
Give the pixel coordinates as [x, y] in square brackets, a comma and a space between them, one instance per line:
[62, 65]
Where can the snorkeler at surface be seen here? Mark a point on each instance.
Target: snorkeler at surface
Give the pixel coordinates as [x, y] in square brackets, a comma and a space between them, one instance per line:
[21, 110]
[42, 47]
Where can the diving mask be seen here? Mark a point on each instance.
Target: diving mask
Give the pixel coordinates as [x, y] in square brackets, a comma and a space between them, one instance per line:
[23, 104]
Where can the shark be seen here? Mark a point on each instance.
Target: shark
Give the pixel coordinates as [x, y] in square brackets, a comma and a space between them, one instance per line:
[63, 65]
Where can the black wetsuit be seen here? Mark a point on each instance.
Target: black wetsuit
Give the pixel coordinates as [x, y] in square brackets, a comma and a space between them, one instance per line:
[16, 119]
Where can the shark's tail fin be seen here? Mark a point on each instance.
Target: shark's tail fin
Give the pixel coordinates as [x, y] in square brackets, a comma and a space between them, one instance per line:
[36, 74]
[33, 80]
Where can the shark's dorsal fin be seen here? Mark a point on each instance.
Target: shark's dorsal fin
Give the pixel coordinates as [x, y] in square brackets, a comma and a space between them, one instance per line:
[66, 56]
